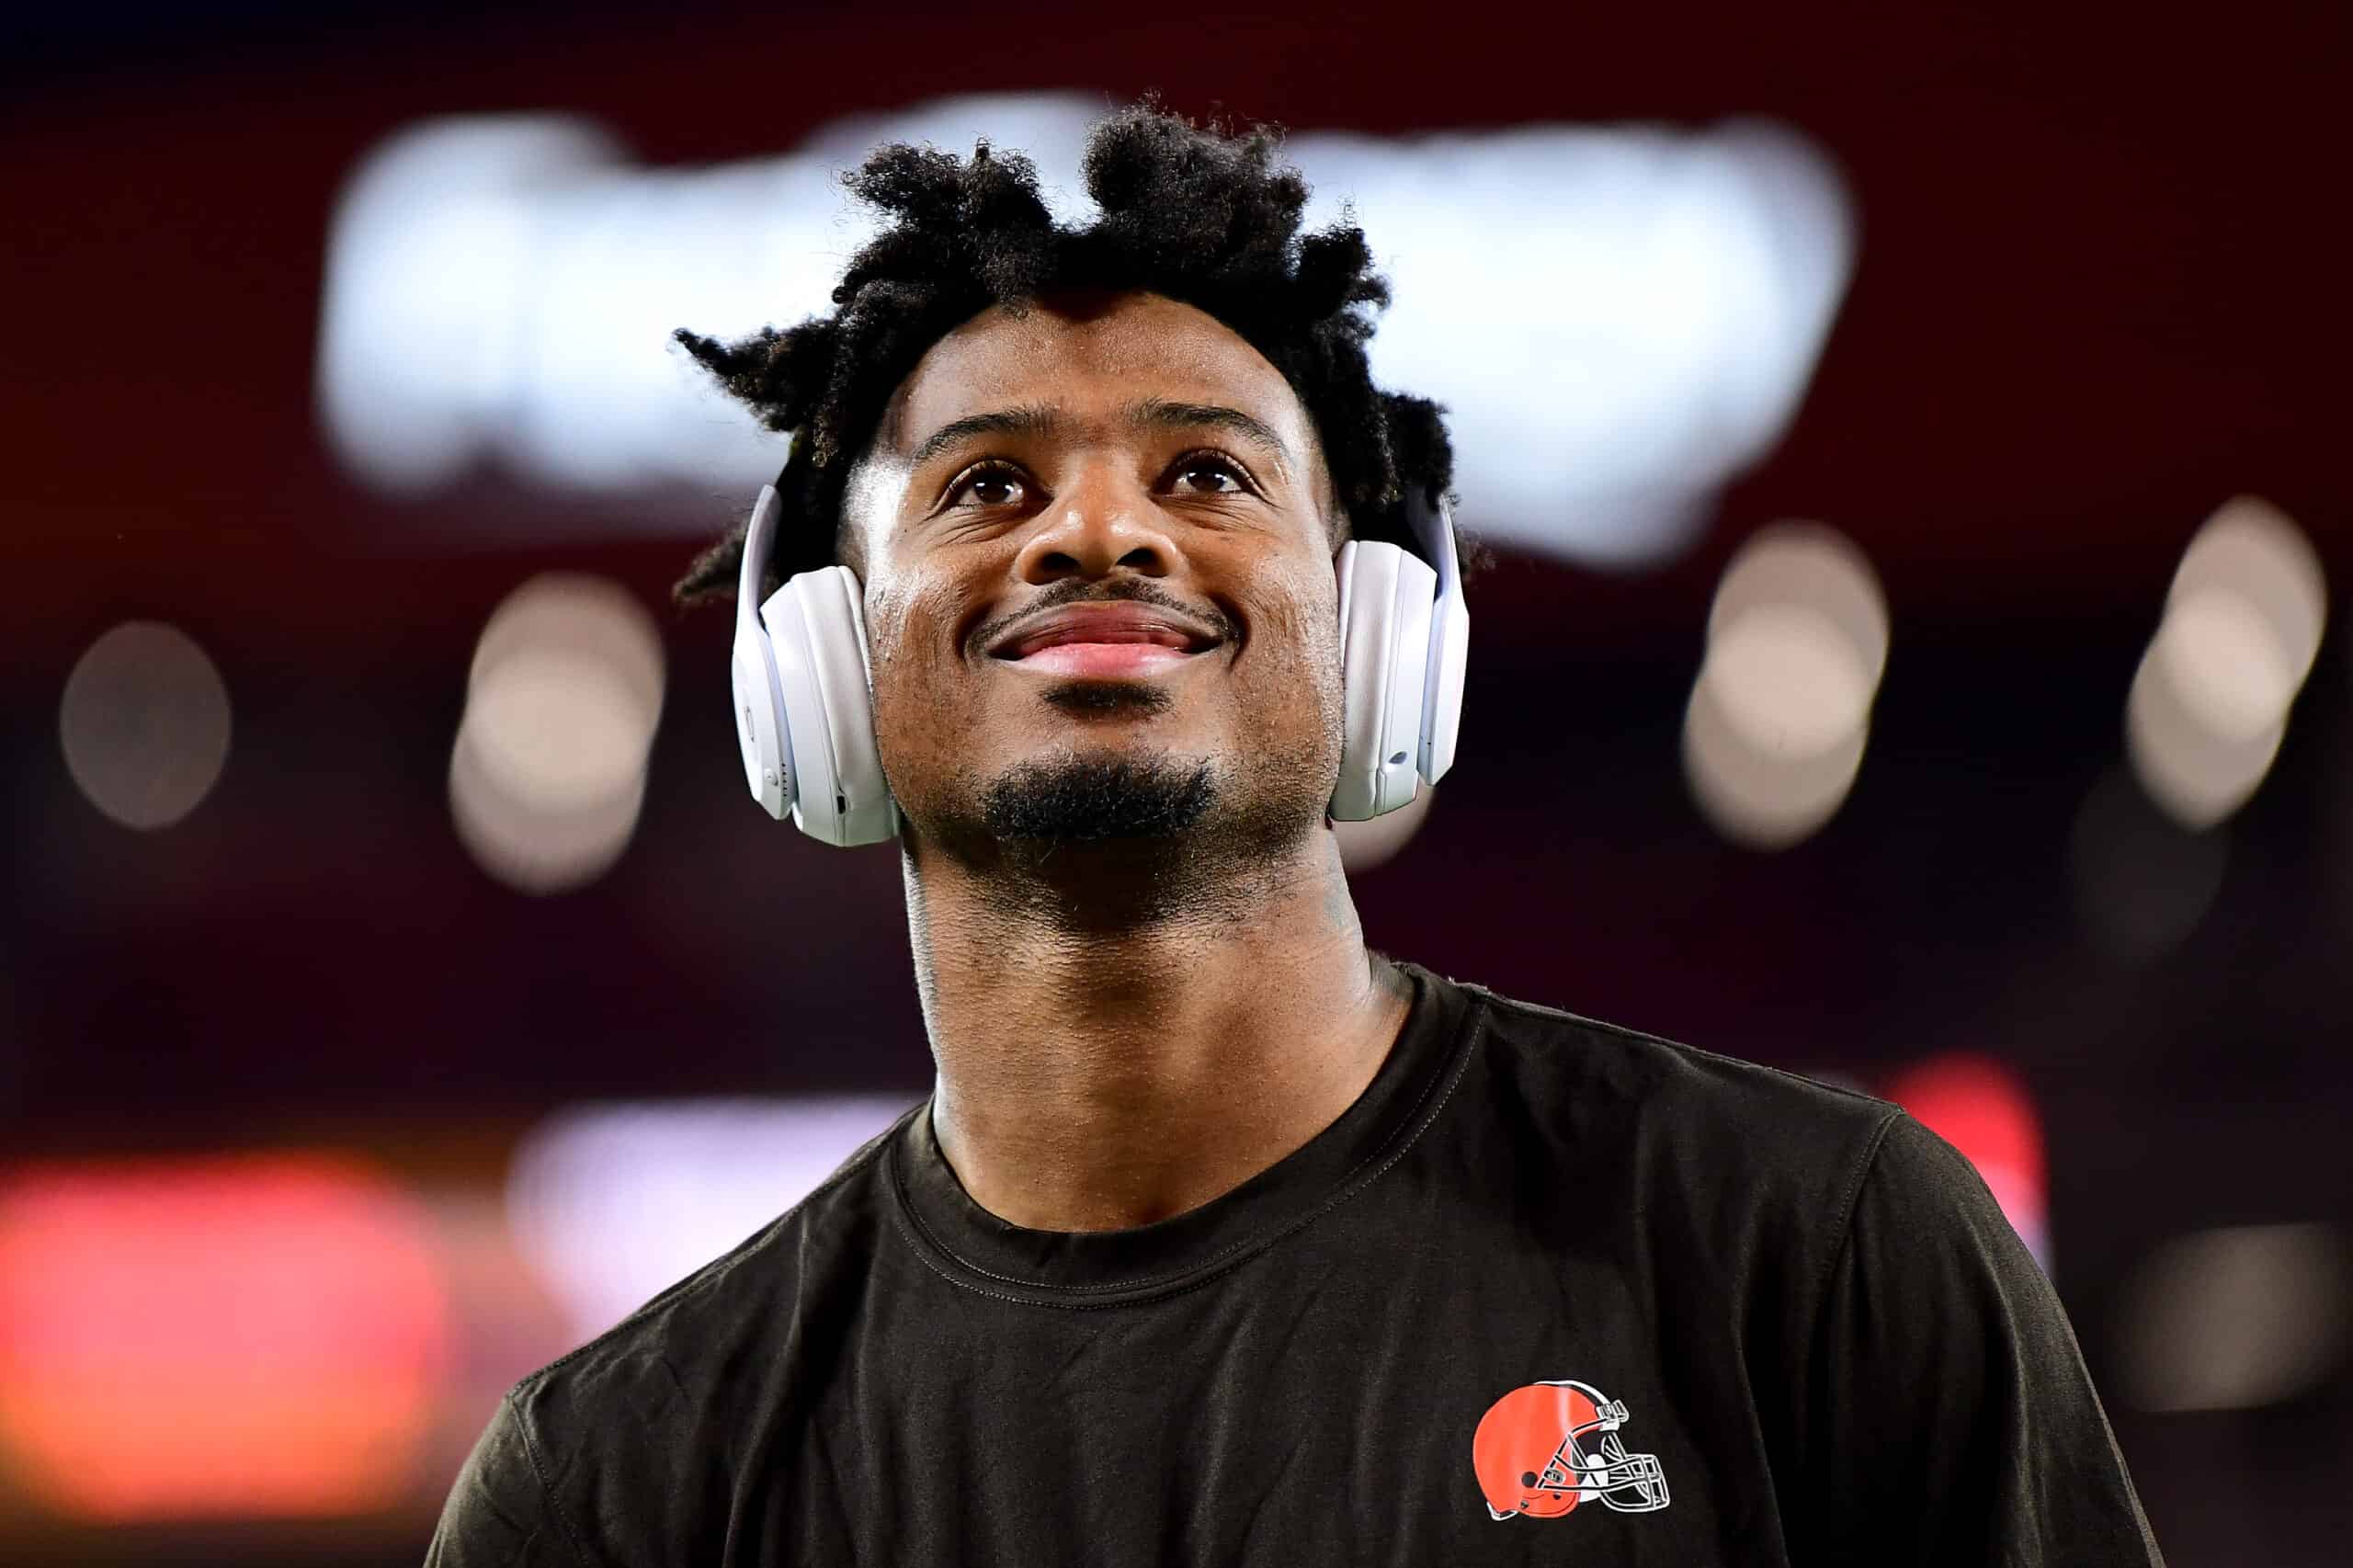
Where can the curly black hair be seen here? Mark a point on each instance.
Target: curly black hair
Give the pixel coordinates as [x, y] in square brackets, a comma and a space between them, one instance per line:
[1200, 215]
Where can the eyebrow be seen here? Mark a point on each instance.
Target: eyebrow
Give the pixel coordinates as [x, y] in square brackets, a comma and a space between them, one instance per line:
[1152, 412]
[1160, 413]
[1035, 419]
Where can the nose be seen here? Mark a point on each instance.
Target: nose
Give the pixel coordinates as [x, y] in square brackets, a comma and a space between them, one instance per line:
[1098, 526]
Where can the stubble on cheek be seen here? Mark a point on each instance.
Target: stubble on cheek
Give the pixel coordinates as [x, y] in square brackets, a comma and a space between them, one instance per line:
[923, 700]
[1298, 640]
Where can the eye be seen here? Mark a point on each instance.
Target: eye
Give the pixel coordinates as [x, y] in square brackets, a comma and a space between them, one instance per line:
[1208, 473]
[988, 485]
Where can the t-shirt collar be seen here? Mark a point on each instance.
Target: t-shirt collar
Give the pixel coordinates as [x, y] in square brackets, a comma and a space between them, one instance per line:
[975, 1248]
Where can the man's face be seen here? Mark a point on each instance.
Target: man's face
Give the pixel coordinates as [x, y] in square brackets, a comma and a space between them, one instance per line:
[1098, 580]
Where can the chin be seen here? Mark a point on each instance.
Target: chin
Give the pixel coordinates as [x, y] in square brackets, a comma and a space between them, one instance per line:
[1099, 794]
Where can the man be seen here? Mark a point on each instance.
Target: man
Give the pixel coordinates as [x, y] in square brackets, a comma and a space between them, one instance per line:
[1222, 1240]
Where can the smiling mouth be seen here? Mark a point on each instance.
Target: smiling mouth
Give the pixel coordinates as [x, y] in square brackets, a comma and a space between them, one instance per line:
[1102, 658]
[1105, 640]
[1103, 636]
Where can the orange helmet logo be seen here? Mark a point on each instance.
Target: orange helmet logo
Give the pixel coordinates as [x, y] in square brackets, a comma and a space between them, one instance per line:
[1541, 1449]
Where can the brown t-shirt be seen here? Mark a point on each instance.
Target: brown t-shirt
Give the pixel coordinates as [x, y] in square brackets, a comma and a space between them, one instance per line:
[1549, 1292]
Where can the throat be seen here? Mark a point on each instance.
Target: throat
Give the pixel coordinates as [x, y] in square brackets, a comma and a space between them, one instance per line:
[1100, 1080]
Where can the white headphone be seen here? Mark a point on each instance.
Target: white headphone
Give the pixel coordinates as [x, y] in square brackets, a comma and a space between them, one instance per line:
[804, 706]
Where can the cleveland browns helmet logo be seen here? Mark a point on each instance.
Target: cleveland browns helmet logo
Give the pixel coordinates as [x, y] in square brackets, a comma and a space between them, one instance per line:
[1542, 1449]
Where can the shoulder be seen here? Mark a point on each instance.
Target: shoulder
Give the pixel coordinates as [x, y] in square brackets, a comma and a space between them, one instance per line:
[1711, 1137]
[1591, 1069]
[659, 1394]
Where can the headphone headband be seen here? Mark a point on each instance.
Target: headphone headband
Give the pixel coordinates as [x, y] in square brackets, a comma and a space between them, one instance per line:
[759, 539]
[1432, 522]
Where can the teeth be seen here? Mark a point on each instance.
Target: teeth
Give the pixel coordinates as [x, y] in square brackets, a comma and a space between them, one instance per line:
[1065, 639]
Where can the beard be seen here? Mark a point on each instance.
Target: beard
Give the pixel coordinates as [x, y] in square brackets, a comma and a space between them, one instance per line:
[1104, 843]
[1109, 830]
[1082, 799]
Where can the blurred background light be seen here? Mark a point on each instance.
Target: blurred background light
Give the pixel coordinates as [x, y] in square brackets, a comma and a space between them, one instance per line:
[2210, 701]
[1983, 1109]
[547, 772]
[537, 849]
[565, 690]
[2142, 881]
[610, 1204]
[2197, 776]
[1619, 321]
[251, 1335]
[1787, 681]
[1807, 566]
[1780, 714]
[1753, 797]
[145, 724]
[2253, 602]
[1376, 841]
[2234, 1318]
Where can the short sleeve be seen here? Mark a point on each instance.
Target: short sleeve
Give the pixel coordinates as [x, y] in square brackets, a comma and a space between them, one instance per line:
[497, 1515]
[1948, 1419]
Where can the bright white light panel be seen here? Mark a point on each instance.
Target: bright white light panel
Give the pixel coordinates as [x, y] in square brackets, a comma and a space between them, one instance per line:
[1619, 319]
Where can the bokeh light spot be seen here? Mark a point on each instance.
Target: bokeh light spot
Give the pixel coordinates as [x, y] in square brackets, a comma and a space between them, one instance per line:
[1788, 680]
[2142, 881]
[2208, 704]
[1781, 712]
[2197, 776]
[1983, 1109]
[611, 1203]
[547, 772]
[2234, 1318]
[1753, 797]
[145, 724]
[247, 1336]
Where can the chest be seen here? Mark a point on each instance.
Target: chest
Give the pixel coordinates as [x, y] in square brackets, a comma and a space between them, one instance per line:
[1388, 1410]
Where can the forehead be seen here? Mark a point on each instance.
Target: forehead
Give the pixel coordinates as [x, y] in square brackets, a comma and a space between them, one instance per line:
[1090, 355]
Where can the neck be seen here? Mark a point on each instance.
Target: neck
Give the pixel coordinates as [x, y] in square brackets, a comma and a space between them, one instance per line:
[1102, 1066]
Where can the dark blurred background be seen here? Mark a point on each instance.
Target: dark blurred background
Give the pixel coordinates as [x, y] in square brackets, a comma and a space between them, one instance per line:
[345, 1076]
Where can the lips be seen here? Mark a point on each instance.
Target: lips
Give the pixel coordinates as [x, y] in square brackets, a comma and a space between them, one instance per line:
[1110, 623]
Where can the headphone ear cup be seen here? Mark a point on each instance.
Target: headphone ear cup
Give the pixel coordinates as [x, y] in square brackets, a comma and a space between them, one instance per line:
[759, 722]
[819, 635]
[869, 813]
[1386, 600]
